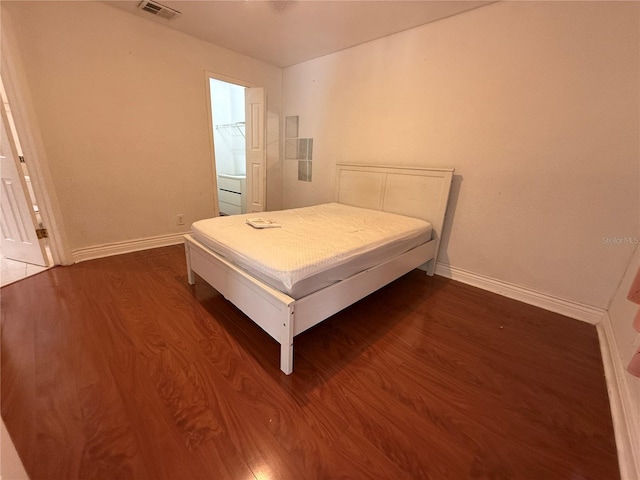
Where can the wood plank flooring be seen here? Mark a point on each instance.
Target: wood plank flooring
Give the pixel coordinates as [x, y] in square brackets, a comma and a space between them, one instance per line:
[118, 369]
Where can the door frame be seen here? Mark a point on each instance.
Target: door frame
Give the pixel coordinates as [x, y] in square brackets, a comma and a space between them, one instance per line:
[19, 98]
[212, 151]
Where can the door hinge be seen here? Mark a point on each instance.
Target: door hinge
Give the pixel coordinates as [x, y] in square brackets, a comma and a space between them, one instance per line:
[42, 233]
[21, 158]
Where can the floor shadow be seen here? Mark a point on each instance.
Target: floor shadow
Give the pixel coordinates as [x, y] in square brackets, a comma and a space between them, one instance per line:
[328, 348]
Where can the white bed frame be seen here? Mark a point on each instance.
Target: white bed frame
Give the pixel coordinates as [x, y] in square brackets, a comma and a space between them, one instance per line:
[415, 192]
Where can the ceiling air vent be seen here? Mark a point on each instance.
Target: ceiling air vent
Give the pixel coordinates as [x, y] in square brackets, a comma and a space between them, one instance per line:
[158, 9]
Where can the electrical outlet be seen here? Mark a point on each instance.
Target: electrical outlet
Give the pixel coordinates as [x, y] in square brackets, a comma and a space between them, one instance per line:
[180, 219]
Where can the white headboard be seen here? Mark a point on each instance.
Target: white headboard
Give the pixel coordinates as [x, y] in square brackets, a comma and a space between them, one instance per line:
[412, 191]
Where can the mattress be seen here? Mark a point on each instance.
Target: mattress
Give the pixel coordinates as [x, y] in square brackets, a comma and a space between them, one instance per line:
[312, 247]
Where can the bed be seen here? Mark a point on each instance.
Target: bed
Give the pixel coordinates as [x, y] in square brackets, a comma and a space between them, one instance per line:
[286, 294]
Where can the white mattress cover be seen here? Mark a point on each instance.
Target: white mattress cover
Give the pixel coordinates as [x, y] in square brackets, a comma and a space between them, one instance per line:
[314, 246]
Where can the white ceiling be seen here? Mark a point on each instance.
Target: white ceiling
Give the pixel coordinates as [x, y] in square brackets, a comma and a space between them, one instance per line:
[284, 33]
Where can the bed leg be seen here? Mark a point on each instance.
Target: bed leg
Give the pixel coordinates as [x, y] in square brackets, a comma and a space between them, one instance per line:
[286, 343]
[431, 267]
[190, 279]
[286, 358]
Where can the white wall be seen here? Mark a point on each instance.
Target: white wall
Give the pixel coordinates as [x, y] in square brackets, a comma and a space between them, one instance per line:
[621, 314]
[536, 105]
[623, 341]
[122, 107]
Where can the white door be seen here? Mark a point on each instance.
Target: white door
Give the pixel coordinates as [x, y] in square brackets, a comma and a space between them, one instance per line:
[255, 131]
[18, 222]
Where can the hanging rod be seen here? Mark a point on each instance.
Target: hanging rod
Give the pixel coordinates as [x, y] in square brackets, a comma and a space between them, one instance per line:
[235, 125]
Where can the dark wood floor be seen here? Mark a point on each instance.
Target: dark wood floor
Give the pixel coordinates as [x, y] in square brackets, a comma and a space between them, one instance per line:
[118, 369]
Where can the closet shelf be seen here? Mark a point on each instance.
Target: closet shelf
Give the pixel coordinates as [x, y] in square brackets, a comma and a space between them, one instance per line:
[239, 126]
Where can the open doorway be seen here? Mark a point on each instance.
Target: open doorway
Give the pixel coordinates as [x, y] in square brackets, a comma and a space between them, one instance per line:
[229, 143]
[238, 132]
[24, 250]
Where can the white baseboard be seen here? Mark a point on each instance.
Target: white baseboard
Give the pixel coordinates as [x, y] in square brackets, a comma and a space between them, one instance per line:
[624, 415]
[569, 308]
[118, 248]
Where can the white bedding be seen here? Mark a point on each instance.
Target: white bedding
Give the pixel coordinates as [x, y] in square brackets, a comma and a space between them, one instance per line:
[314, 246]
